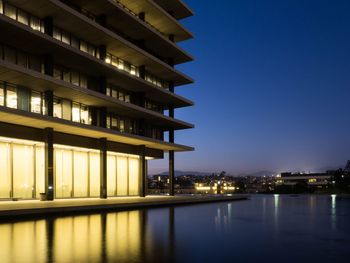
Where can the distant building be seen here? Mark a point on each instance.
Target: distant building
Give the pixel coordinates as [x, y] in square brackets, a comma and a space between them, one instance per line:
[312, 179]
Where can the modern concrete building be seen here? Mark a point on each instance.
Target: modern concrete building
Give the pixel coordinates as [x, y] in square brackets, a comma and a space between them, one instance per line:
[87, 91]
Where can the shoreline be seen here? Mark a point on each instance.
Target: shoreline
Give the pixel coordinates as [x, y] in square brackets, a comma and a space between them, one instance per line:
[14, 210]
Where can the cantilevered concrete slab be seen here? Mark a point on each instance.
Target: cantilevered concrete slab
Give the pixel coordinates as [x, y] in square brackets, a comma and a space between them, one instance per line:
[40, 82]
[34, 120]
[96, 34]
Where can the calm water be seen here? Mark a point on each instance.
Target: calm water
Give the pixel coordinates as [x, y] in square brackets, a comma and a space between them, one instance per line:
[265, 229]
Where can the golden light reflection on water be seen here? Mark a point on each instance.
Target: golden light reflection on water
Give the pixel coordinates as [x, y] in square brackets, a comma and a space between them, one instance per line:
[110, 237]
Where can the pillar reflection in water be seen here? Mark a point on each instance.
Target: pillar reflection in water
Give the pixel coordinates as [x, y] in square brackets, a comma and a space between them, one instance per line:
[106, 237]
[223, 218]
[333, 211]
[23, 242]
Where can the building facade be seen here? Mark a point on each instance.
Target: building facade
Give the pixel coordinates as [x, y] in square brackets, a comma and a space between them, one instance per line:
[87, 93]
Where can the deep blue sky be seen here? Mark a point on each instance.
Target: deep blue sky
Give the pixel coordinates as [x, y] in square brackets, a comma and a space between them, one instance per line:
[272, 86]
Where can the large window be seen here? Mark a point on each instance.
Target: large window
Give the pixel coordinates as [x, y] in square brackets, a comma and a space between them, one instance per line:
[5, 171]
[81, 173]
[23, 171]
[118, 93]
[122, 175]
[21, 16]
[134, 175]
[111, 175]
[76, 112]
[11, 97]
[35, 103]
[2, 94]
[57, 108]
[76, 171]
[22, 168]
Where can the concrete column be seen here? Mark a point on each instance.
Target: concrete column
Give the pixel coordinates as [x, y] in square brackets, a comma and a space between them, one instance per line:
[171, 173]
[142, 72]
[48, 97]
[48, 65]
[143, 171]
[102, 85]
[102, 117]
[49, 182]
[171, 153]
[103, 52]
[48, 25]
[171, 86]
[103, 168]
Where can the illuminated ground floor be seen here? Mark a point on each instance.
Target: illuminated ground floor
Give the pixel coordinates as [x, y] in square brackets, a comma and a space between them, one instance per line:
[48, 165]
[76, 171]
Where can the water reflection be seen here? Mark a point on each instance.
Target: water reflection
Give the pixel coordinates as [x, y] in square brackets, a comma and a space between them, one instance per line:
[223, 218]
[265, 227]
[110, 237]
[333, 211]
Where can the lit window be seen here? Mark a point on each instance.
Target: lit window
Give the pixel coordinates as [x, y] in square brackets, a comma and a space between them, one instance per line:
[56, 33]
[22, 17]
[2, 94]
[10, 11]
[114, 124]
[108, 59]
[57, 108]
[83, 82]
[76, 112]
[1, 7]
[114, 93]
[75, 78]
[108, 91]
[121, 64]
[35, 23]
[114, 62]
[44, 109]
[11, 97]
[83, 46]
[85, 116]
[65, 38]
[132, 70]
[127, 98]
[312, 180]
[121, 126]
[36, 102]
[108, 122]
[120, 95]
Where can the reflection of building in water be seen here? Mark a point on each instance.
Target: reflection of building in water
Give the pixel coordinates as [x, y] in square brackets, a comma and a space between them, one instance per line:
[223, 218]
[113, 237]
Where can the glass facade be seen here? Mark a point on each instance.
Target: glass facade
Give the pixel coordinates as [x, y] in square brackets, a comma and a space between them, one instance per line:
[76, 171]
[122, 174]
[22, 169]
